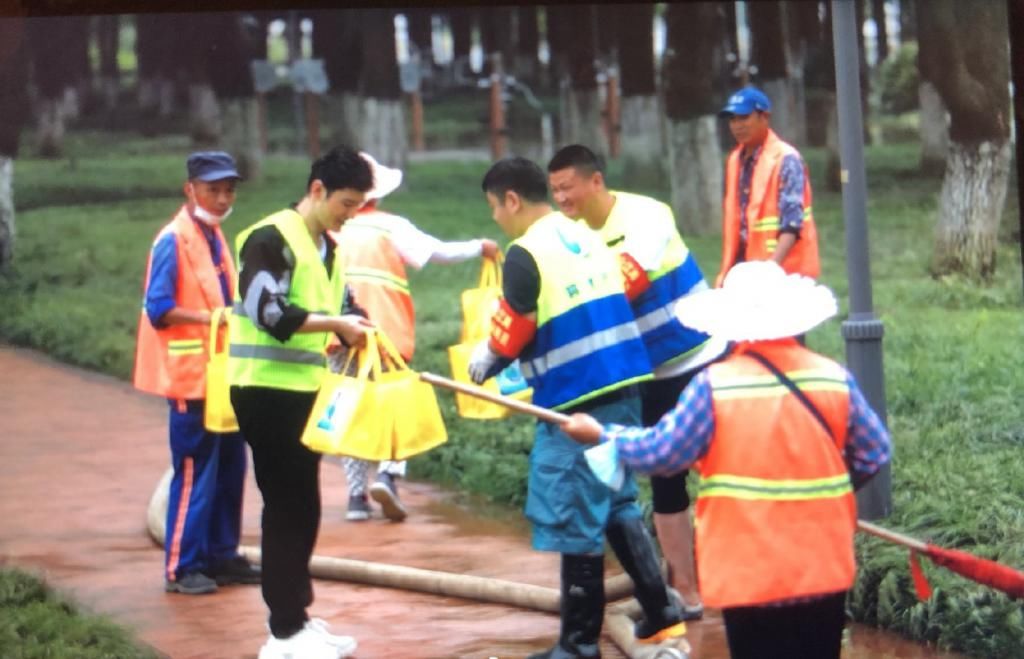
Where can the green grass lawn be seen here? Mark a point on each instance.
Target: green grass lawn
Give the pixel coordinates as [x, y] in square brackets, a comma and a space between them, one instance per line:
[952, 365]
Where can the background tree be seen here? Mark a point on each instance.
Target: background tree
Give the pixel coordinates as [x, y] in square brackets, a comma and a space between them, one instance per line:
[642, 137]
[157, 61]
[338, 41]
[695, 31]
[881, 30]
[382, 115]
[229, 62]
[14, 109]
[108, 32]
[777, 52]
[822, 119]
[421, 34]
[968, 43]
[579, 100]
[527, 41]
[55, 71]
[933, 118]
[462, 19]
[205, 32]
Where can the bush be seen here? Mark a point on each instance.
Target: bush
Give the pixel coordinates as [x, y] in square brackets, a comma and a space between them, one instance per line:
[898, 80]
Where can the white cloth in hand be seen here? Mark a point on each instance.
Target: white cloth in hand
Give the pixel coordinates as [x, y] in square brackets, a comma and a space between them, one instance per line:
[481, 361]
[603, 460]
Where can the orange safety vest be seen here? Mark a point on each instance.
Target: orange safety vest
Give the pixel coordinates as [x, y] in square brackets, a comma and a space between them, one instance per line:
[776, 512]
[763, 214]
[171, 361]
[375, 273]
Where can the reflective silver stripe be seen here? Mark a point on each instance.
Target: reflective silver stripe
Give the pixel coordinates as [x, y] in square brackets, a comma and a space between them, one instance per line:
[271, 353]
[579, 348]
[665, 314]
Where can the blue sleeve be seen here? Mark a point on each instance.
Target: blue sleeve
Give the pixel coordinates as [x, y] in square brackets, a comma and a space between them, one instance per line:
[868, 444]
[676, 441]
[791, 194]
[162, 290]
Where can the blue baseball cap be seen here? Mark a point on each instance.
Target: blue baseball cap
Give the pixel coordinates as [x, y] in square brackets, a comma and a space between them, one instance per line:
[211, 166]
[746, 101]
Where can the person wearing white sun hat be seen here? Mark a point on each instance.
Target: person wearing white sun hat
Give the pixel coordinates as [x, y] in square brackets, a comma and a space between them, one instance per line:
[375, 248]
[782, 436]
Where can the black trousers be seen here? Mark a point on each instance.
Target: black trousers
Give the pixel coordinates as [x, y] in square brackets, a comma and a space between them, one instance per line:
[668, 493]
[288, 475]
[809, 630]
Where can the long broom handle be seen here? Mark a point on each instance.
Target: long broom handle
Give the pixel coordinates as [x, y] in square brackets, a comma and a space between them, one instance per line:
[555, 417]
[541, 413]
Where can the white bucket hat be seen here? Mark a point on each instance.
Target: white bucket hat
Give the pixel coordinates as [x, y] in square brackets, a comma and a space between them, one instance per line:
[385, 179]
[758, 301]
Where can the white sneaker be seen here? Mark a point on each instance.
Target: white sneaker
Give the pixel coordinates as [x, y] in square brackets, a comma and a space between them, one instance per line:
[308, 643]
[346, 644]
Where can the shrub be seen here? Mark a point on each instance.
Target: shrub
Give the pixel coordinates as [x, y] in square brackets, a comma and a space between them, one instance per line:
[898, 80]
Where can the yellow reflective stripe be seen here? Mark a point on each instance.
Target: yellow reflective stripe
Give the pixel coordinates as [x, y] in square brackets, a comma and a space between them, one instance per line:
[374, 276]
[604, 390]
[185, 347]
[767, 385]
[750, 489]
[771, 243]
[770, 223]
[807, 212]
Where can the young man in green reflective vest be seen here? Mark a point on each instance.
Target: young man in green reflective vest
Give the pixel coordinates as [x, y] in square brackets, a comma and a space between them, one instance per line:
[288, 303]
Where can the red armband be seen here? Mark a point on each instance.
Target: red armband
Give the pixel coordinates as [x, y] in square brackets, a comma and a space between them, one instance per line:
[510, 331]
[634, 277]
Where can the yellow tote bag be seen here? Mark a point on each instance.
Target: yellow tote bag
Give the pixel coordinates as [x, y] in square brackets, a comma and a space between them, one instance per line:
[219, 415]
[418, 425]
[349, 417]
[480, 303]
[471, 407]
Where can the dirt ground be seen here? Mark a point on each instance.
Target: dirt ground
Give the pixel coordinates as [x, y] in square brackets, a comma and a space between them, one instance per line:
[81, 454]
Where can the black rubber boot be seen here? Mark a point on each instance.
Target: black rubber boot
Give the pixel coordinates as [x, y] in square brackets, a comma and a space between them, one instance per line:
[635, 550]
[582, 609]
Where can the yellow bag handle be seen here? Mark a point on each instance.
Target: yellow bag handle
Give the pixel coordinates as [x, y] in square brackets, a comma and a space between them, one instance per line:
[369, 359]
[388, 349]
[490, 271]
[215, 316]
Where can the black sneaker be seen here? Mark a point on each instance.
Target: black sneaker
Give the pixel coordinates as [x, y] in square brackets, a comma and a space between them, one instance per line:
[358, 508]
[235, 570]
[385, 492]
[193, 583]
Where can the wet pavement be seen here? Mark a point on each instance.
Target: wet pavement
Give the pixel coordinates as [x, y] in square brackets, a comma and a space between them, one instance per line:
[80, 457]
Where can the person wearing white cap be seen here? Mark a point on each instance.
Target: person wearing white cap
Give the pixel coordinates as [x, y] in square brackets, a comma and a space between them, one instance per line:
[375, 248]
[766, 212]
[782, 436]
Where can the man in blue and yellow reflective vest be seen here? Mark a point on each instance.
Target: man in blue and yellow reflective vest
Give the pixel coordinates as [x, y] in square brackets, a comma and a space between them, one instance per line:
[564, 314]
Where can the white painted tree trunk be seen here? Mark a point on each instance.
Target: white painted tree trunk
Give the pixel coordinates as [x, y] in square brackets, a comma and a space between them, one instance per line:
[50, 127]
[165, 96]
[109, 86]
[242, 136]
[642, 141]
[789, 114]
[934, 128]
[580, 118]
[6, 210]
[204, 114]
[695, 170]
[342, 121]
[383, 132]
[970, 208]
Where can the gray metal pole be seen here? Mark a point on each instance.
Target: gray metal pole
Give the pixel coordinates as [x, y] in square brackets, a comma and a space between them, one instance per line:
[862, 330]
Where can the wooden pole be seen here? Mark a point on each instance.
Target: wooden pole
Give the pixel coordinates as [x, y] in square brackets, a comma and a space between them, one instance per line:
[541, 413]
[498, 139]
[416, 101]
[614, 119]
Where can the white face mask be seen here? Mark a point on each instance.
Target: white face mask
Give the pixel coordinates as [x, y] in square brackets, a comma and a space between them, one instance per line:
[205, 216]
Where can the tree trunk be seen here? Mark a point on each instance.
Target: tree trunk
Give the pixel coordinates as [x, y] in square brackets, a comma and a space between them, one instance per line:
[695, 32]
[642, 133]
[203, 114]
[338, 42]
[462, 33]
[383, 131]
[970, 208]
[933, 127]
[881, 30]
[527, 40]
[54, 71]
[774, 50]
[421, 34]
[155, 45]
[908, 20]
[696, 172]
[974, 61]
[6, 211]
[581, 106]
[242, 135]
[107, 33]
